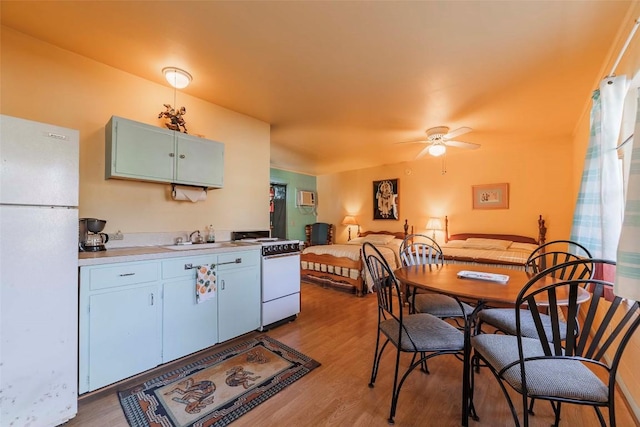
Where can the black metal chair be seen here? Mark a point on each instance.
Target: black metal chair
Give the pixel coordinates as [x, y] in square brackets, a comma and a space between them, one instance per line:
[418, 249]
[545, 256]
[562, 363]
[422, 334]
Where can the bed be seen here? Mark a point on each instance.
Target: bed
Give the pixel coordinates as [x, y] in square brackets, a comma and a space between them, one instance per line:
[341, 266]
[503, 250]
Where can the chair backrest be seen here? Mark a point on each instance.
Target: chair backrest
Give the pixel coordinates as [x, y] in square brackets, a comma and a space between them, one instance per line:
[606, 327]
[319, 233]
[385, 284]
[554, 253]
[418, 249]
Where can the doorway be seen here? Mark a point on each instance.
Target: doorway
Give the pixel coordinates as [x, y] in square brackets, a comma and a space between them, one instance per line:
[278, 210]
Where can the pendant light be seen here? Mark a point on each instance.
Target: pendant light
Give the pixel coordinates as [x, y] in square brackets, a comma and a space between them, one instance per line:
[177, 77]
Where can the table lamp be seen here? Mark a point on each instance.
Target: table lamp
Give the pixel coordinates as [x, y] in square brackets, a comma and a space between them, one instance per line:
[350, 220]
[434, 224]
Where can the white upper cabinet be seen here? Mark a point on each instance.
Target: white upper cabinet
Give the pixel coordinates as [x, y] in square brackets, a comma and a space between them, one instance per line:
[199, 161]
[149, 153]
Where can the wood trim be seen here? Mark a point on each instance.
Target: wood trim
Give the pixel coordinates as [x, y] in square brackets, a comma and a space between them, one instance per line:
[397, 235]
[542, 232]
[326, 278]
[332, 260]
[511, 237]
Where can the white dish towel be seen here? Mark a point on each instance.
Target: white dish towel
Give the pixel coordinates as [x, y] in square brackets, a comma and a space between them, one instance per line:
[205, 283]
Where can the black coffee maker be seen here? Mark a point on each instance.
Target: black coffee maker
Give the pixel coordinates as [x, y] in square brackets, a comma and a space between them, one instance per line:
[90, 238]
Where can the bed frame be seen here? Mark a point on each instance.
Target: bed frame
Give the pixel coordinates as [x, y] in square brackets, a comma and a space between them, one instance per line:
[338, 281]
[542, 233]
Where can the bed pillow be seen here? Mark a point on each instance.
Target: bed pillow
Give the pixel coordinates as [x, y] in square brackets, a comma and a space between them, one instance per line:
[374, 239]
[491, 244]
[454, 244]
[523, 247]
[356, 241]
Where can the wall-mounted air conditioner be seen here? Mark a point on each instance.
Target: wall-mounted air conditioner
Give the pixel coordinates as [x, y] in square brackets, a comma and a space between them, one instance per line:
[306, 198]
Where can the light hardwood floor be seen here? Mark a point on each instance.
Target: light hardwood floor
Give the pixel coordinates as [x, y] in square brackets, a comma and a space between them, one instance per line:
[339, 330]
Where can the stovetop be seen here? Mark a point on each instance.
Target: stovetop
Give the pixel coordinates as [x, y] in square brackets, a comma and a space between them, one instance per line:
[262, 240]
[246, 235]
[270, 245]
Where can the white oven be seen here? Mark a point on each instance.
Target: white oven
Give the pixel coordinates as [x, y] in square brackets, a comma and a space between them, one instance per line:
[280, 285]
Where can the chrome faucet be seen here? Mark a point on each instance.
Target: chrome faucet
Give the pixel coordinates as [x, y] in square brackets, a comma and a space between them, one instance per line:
[199, 239]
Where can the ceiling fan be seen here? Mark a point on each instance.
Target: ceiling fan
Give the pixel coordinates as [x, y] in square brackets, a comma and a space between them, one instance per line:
[439, 138]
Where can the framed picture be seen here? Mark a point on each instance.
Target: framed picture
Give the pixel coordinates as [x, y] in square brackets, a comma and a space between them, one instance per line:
[385, 199]
[490, 196]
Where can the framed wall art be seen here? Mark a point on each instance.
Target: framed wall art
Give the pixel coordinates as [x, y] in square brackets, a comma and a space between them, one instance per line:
[385, 199]
[490, 196]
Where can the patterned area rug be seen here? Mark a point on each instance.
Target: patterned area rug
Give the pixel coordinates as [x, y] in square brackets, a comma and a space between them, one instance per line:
[217, 390]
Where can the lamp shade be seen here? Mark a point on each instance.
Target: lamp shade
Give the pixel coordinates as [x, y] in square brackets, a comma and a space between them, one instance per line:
[176, 77]
[349, 220]
[434, 224]
[437, 149]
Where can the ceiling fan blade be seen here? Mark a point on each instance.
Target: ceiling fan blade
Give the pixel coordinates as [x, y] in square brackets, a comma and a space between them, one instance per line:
[460, 144]
[412, 140]
[457, 132]
[423, 152]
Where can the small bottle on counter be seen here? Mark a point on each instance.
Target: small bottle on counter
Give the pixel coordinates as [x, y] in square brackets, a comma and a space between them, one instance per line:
[211, 236]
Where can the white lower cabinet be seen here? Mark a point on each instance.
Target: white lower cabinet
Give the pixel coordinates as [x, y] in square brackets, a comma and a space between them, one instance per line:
[238, 293]
[119, 322]
[135, 316]
[187, 326]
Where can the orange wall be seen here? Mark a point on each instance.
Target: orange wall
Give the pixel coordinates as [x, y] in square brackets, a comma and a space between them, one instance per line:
[43, 83]
[539, 177]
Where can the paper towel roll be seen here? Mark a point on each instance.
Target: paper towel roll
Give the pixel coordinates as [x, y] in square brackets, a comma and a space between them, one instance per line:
[190, 194]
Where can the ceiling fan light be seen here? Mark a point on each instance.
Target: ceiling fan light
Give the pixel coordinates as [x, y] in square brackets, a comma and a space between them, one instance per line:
[437, 150]
[176, 77]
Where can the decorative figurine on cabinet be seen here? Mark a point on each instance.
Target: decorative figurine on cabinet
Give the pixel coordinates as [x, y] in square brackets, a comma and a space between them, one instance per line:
[175, 120]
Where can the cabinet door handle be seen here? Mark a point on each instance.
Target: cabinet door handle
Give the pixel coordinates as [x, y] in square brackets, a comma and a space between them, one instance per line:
[236, 261]
[222, 285]
[127, 274]
[152, 299]
[172, 155]
[182, 156]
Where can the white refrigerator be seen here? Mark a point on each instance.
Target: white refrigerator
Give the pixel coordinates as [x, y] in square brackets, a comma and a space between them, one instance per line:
[38, 273]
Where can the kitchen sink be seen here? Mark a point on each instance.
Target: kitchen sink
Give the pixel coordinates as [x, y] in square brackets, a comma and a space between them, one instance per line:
[195, 246]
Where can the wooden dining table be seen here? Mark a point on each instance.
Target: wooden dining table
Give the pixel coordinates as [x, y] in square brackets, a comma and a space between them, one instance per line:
[444, 279]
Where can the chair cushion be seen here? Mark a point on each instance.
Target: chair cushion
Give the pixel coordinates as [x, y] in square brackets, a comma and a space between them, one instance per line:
[505, 320]
[562, 378]
[427, 332]
[440, 305]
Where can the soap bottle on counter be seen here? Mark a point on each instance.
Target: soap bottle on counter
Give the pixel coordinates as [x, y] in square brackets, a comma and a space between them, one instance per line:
[211, 236]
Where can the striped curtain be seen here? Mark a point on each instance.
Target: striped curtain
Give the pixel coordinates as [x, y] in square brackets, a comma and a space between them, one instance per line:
[597, 219]
[627, 283]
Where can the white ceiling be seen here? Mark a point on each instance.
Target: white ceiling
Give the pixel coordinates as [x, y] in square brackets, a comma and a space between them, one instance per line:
[342, 81]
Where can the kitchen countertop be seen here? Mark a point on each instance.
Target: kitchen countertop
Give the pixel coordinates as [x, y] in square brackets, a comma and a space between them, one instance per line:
[145, 253]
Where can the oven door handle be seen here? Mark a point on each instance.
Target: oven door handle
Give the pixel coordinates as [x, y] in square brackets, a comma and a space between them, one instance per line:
[281, 255]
